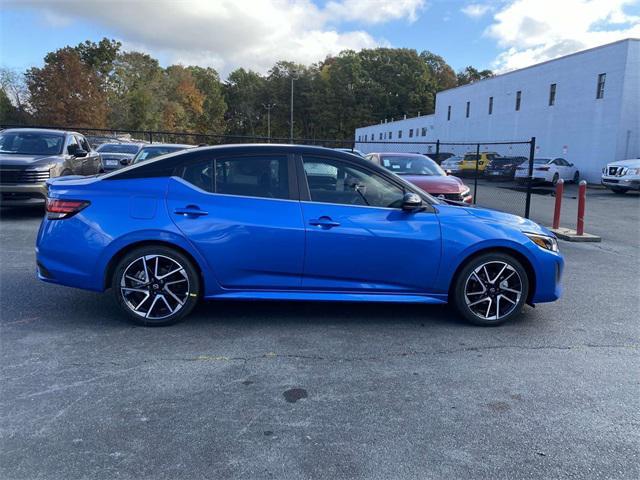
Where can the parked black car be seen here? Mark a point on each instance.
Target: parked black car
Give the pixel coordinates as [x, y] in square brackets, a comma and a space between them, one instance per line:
[503, 168]
[30, 156]
[117, 155]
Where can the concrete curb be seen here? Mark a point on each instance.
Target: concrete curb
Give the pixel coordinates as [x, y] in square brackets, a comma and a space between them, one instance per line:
[572, 236]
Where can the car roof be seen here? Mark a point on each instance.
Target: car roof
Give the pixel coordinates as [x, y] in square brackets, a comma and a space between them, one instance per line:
[41, 130]
[399, 154]
[172, 160]
[182, 145]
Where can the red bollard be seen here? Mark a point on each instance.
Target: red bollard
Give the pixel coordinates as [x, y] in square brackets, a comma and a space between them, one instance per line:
[556, 211]
[582, 198]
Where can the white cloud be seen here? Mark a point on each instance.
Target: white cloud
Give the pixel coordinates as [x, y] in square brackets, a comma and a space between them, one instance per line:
[374, 11]
[532, 31]
[476, 10]
[227, 34]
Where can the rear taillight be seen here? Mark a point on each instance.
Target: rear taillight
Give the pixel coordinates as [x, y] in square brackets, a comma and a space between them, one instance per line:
[59, 209]
[543, 169]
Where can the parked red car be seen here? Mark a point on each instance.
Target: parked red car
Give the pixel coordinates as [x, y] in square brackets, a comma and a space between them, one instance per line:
[424, 173]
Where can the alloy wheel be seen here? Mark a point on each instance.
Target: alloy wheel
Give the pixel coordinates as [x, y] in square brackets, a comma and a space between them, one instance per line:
[154, 286]
[493, 290]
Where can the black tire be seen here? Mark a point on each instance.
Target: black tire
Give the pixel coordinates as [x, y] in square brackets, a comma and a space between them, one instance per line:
[618, 190]
[576, 177]
[185, 285]
[466, 278]
[555, 179]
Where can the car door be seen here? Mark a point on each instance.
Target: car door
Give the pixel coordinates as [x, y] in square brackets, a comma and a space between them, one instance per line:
[358, 237]
[242, 213]
[92, 163]
[73, 164]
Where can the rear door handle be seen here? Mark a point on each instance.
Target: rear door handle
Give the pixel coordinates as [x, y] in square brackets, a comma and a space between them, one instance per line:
[324, 222]
[190, 211]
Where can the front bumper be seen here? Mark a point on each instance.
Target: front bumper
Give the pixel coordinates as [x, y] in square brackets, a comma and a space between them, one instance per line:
[630, 182]
[13, 195]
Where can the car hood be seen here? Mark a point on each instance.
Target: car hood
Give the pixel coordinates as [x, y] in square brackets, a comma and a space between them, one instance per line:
[12, 160]
[436, 184]
[522, 224]
[633, 163]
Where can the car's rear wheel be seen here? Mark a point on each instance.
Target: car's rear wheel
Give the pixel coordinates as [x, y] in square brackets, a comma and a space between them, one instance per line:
[618, 190]
[491, 289]
[156, 285]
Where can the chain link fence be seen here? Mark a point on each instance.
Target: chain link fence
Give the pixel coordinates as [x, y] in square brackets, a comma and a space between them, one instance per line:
[489, 174]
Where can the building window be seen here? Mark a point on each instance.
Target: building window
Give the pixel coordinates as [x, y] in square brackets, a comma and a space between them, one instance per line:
[373, 137]
[399, 133]
[600, 91]
[468, 108]
[552, 94]
[380, 136]
[411, 133]
[390, 135]
[449, 113]
[424, 131]
[518, 100]
[490, 105]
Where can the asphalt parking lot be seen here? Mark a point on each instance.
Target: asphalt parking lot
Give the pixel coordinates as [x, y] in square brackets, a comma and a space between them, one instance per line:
[322, 390]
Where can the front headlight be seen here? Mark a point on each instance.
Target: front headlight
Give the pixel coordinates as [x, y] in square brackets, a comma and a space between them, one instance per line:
[543, 241]
[465, 191]
[632, 171]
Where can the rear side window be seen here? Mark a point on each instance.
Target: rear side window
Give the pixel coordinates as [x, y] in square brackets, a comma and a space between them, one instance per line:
[247, 176]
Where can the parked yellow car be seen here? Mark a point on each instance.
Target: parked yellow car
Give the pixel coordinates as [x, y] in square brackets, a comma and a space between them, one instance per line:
[468, 165]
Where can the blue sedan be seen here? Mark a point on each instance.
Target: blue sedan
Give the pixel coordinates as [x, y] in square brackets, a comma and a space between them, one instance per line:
[249, 222]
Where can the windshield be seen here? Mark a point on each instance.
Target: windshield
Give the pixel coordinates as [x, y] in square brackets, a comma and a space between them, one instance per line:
[118, 148]
[148, 153]
[411, 165]
[541, 161]
[31, 143]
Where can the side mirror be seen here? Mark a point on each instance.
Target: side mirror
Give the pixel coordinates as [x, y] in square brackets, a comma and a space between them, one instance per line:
[411, 202]
[448, 172]
[81, 152]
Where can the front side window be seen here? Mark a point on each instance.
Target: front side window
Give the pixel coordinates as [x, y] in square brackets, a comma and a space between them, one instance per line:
[333, 181]
[600, 90]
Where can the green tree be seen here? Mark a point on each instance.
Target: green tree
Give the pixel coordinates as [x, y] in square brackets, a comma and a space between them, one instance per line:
[441, 72]
[245, 93]
[211, 120]
[471, 74]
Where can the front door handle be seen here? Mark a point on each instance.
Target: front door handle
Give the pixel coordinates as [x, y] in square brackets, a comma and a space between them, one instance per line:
[324, 222]
[190, 211]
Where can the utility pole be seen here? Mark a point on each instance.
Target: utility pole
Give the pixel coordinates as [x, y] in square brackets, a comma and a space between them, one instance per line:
[294, 76]
[269, 106]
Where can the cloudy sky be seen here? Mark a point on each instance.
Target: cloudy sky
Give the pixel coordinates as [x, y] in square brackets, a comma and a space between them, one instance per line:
[226, 34]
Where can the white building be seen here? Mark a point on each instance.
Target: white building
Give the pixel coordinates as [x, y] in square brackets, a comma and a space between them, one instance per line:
[584, 107]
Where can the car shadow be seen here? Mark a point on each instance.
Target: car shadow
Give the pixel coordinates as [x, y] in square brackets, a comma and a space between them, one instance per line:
[21, 213]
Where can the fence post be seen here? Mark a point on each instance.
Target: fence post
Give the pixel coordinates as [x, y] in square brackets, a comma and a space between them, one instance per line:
[582, 197]
[438, 151]
[475, 180]
[532, 151]
[150, 137]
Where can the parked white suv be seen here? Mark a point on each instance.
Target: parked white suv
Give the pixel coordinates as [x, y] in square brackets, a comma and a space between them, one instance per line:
[622, 176]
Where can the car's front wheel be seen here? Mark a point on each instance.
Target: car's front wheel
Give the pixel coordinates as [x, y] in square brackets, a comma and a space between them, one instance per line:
[491, 289]
[156, 285]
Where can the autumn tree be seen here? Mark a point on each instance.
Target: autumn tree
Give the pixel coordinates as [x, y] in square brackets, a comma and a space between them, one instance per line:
[66, 91]
[471, 74]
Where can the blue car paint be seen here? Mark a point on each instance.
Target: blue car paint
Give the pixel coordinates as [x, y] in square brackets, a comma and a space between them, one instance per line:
[267, 248]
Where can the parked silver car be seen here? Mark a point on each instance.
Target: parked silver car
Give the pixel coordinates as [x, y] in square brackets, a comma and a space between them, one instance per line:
[622, 176]
[30, 156]
[117, 155]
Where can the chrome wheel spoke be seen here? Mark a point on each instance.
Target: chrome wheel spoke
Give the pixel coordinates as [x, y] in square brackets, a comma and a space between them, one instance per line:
[488, 287]
[146, 292]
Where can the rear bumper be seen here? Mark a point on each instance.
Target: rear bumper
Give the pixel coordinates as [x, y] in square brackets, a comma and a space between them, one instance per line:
[23, 194]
